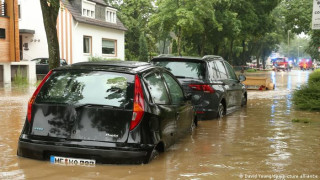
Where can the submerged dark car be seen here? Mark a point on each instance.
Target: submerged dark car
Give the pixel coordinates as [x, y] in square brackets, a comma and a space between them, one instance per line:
[42, 65]
[211, 80]
[105, 112]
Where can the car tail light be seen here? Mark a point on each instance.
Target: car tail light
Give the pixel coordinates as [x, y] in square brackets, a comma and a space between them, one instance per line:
[202, 87]
[31, 101]
[138, 104]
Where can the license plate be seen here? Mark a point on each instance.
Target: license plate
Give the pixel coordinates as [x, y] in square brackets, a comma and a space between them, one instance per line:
[253, 87]
[72, 161]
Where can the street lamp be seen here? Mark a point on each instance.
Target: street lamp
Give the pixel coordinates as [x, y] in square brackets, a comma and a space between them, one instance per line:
[298, 53]
[288, 42]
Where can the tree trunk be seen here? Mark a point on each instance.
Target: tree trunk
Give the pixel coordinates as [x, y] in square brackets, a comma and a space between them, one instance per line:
[50, 13]
[164, 46]
[179, 41]
[230, 52]
[203, 45]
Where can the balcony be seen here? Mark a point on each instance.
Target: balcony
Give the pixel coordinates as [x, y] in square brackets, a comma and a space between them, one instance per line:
[3, 8]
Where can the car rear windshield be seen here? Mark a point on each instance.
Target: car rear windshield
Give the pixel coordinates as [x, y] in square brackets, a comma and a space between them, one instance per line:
[88, 88]
[194, 70]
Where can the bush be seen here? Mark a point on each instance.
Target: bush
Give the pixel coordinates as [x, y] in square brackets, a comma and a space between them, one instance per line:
[314, 77]
[96, 58]
[251, 70]
[308, 97]
[19, 79]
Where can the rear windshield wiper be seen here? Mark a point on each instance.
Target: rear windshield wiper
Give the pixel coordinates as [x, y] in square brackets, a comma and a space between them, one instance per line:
[96, 105]
[185, 77]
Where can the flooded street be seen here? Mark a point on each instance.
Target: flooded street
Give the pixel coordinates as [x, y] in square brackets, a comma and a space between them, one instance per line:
[256, 142]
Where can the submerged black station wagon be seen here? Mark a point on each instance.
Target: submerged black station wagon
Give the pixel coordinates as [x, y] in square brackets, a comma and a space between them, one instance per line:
[216, 89]
[105, 112]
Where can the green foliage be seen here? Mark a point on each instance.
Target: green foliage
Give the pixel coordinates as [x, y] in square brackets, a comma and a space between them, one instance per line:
[314, 77]
[308, 96]
[143, 48]
[298, 15]
[19, 79]
[236, 30]
[96, 58]
[313, 45]
[135, 15]
[251, 70]
[174, 47]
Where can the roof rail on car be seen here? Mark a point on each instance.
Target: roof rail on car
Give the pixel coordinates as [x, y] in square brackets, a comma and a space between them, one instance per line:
[165, 55]
[211, 57]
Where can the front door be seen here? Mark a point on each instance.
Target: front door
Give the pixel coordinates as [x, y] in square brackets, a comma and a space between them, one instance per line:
[165, 111]
[184, 115]
[235, 85]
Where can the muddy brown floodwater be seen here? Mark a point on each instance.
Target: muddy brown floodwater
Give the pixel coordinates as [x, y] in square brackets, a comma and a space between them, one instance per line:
[256, 142]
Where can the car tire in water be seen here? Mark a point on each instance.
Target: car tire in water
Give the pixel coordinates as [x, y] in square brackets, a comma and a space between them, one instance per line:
[154, 154]
[220, 111]
[243, 100]
[193, 125]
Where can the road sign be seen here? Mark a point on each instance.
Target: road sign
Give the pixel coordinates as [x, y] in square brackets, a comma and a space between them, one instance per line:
[316, 14]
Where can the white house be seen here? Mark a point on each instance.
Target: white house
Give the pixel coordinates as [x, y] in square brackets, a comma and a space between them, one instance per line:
[85, 28]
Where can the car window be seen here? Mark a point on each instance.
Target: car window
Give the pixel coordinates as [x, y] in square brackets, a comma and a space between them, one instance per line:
[195, 70]
[157, 88]
[221, 70]
[213, 70]
[231, 73]
[88, 87]
[37, 61]
[63, 62]
[174, 89]
[43, 61]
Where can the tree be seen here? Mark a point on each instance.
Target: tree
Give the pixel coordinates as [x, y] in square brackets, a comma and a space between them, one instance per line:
[298, 15]
[143, 48]
[135, 15]
[50, 11]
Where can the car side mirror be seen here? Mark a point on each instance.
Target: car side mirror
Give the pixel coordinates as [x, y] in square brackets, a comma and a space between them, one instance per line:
[188, 96]
[242, 78]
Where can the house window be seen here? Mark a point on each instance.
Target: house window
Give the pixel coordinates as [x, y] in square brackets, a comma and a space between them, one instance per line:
[87, 44]
[88, 9]
[19, 11]
[88, 13]
[2, 33]
[111, 15]
[109, 47]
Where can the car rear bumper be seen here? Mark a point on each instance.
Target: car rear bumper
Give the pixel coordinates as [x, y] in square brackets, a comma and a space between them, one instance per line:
[129, 154]
[206, 114]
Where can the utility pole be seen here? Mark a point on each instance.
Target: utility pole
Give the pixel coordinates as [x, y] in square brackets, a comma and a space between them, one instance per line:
[288, 43]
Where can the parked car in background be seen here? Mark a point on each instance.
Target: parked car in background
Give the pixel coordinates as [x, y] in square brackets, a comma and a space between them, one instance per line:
[105, 112]
[42, 65]
[212, 81]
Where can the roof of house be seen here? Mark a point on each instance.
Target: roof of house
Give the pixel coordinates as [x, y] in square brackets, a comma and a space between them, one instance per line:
[99, 2]
[77, 15]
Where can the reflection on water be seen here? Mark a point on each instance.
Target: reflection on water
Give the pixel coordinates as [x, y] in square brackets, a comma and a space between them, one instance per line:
[259, 139]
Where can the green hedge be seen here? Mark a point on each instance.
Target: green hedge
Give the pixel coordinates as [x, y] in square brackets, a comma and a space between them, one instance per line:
[251, 70]
[308, 96]
[314, 77]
